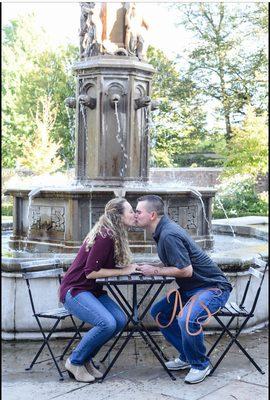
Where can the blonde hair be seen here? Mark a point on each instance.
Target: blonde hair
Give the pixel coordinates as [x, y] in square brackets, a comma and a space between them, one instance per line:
[110, 223]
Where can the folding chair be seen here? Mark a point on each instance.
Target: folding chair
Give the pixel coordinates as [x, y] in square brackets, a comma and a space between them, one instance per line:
[57, 314]
[234, 310]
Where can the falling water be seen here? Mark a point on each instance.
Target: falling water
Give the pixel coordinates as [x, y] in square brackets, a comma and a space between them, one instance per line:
[119, 139]
[198, 194]
[82, 109]
[70, 126]
[34, 192]
[226, 215]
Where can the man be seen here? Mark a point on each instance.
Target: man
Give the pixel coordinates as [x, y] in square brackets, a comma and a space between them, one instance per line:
[203, 288]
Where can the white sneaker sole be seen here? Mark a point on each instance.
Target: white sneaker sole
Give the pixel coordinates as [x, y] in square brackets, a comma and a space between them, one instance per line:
[200, 380]
[178, 368]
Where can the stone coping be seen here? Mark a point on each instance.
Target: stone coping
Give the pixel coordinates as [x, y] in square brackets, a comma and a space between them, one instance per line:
[119, 192]
[230, 260]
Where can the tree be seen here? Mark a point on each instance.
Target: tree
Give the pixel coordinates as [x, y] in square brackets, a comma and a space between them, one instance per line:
[223, 66]
[247, 152]
[32, 70]
[40, 151]
[179, 123]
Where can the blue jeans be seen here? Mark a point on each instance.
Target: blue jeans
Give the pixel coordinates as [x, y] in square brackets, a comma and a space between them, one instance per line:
[185, 331]
[103, 314]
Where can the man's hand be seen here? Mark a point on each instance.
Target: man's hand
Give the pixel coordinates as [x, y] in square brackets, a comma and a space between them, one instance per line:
[148, 270]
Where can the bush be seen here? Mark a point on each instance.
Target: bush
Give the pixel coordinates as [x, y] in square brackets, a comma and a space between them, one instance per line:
[7, 209]
[238, 197]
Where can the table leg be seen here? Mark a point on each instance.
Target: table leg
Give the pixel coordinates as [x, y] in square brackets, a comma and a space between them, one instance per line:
[156, 354]
[118, 354]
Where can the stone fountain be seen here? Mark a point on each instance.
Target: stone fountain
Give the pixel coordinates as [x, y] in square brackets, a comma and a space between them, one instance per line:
[113, 108]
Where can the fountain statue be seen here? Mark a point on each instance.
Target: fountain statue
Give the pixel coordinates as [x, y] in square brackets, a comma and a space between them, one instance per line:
[113, 112]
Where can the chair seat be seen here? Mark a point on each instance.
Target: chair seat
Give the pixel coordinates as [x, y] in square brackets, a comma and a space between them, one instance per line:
[231, 309]
[55, 313]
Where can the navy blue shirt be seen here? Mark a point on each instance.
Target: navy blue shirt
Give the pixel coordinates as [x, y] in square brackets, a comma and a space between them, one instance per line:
[176, 248]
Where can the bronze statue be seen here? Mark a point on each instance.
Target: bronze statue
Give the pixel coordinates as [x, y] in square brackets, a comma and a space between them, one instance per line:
[111, 28]
[134, 22]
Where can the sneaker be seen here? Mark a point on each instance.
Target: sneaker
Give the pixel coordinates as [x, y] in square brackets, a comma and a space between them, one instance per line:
[93, 370]
[177, 364]
[197, 375]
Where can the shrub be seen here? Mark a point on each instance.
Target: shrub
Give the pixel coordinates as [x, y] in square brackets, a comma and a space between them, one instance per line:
[238, 197]
[7, 209]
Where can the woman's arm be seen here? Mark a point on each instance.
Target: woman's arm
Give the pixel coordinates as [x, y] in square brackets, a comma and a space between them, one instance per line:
[107, 273]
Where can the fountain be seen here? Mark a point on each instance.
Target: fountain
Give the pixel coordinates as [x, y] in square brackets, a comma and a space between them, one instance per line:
[113, 105]
[113, 113]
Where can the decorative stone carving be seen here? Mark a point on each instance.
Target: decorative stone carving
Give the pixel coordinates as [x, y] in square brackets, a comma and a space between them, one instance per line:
[48, 218]
[186, 216]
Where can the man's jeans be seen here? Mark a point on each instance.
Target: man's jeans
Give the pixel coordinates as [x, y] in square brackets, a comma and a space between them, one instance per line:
[103, 314]
[185, 331]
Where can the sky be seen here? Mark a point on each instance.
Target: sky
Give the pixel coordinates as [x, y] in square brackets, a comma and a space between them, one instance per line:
[62, 20]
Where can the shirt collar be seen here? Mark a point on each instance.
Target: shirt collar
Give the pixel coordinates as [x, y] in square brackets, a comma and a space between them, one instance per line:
[163, 221]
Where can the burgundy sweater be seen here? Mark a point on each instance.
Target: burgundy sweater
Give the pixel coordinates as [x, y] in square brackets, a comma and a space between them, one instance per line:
[100, 255]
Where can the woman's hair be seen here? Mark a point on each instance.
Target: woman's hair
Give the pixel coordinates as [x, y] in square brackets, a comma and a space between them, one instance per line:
[110, 223]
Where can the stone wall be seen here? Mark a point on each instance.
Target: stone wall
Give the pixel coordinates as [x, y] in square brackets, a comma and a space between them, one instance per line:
[200, 177]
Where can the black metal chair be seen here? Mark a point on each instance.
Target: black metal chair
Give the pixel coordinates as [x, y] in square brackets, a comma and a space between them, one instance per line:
[233, 310]
[57, 314]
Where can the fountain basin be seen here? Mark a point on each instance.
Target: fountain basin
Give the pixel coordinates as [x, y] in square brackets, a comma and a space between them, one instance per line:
[58, 219]
[18, 323]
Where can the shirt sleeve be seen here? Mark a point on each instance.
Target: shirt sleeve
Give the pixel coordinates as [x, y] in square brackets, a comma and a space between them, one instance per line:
[176, 252]
[98, 254]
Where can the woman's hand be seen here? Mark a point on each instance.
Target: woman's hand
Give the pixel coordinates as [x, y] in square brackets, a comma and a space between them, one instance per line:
[130, 269]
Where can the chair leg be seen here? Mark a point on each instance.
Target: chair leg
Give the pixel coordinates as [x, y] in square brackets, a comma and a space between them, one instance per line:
[220, 336]
[46, 343]
[234, 340]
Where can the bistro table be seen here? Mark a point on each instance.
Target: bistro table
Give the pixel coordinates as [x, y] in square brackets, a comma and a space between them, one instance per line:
[132, 312]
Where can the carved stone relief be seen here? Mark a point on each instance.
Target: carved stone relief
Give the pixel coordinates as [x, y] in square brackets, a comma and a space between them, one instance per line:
[48, 218]
[185, 216]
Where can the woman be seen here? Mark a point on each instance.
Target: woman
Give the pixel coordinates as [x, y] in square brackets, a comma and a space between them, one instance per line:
[105, 252]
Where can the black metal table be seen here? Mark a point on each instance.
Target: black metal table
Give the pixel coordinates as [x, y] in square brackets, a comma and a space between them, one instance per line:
[132, 312]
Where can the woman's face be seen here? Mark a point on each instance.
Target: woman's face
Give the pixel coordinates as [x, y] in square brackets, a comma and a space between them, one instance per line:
[128, 216]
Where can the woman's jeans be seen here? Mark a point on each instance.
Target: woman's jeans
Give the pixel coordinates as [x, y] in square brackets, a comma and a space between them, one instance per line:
[103, 314]
[185, 330]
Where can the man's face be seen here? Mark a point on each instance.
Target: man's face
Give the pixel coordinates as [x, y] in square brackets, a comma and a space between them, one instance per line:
[143, 217]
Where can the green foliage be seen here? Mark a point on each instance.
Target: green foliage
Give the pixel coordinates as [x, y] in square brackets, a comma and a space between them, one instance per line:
[238, 197]
[7, 209]
[32, 70]
[247, 152]
[228, 64]
[179, 123]
[40, 152]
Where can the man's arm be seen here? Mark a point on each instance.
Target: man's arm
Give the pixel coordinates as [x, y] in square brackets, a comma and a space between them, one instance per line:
[151, 270]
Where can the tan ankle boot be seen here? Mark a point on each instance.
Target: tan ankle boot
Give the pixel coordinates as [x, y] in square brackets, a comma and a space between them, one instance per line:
[79, 372]
[93, 370]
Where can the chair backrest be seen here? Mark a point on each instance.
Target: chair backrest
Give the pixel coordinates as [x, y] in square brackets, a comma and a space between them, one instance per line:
[259, 274]
[39, 269]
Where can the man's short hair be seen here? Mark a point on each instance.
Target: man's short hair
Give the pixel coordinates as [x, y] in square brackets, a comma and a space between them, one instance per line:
[154, 203]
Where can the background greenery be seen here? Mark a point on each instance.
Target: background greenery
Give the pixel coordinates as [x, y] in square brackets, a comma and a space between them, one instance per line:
[213, 100]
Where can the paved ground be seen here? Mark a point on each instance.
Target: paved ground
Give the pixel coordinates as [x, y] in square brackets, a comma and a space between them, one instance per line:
[138, 375]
